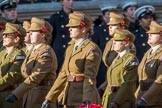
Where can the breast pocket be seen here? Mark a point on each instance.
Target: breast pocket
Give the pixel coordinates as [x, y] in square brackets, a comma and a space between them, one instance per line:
[5, 68]
[151, 68]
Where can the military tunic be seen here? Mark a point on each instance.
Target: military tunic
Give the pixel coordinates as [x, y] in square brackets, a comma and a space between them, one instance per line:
[150, 79]
[60, 35]
[84, 61]
[100, 37]
[109, 55]
[38, 69]
[122, 73]
[10, 75]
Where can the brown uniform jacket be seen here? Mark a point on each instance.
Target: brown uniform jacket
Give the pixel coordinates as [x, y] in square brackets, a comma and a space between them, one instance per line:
[84, 61]
[10, 75]
[121, 74]
[38, 70]
[109, 55]
[150, 78]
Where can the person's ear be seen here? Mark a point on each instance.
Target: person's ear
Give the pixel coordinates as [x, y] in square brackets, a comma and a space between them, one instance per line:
[17, 39]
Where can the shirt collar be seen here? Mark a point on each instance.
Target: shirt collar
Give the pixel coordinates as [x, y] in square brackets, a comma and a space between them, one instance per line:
[79, 42]
[37, 46]
[155, 48]
[121, 54]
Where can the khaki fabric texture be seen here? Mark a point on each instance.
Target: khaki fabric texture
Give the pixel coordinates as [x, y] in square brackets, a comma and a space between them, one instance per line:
[13, 28]
[77, 17]
[155, 27]
[36, 24]
[115, 18]
[121, 34]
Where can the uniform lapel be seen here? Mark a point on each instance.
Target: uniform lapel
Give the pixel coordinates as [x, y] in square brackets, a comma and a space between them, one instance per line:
[69, 50]
[117, 62]
[81, 47]
[155, 53]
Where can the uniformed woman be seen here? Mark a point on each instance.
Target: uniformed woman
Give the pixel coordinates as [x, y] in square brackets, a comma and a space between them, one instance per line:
[122, 73]
[149, 92]
[28, 46]
[117, 21]
[11, 59]
[77, 78]
[38, 69]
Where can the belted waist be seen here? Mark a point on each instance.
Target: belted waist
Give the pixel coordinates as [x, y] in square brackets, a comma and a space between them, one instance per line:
[46, 83]
[75, 78]
[112, 88]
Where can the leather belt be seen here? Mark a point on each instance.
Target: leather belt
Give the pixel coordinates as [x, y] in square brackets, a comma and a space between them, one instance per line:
[75, 78]
[113, 88]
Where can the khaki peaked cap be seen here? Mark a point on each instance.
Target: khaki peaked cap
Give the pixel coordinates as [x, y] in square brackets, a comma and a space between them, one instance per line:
[77, 17]
[155, 27]
[13, 28]
[38, 24]
[121, 34]
[115, 18]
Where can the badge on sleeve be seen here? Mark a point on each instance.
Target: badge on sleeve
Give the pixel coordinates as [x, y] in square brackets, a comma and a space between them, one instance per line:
[46, 54]
[19, 57]
[134, 63]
